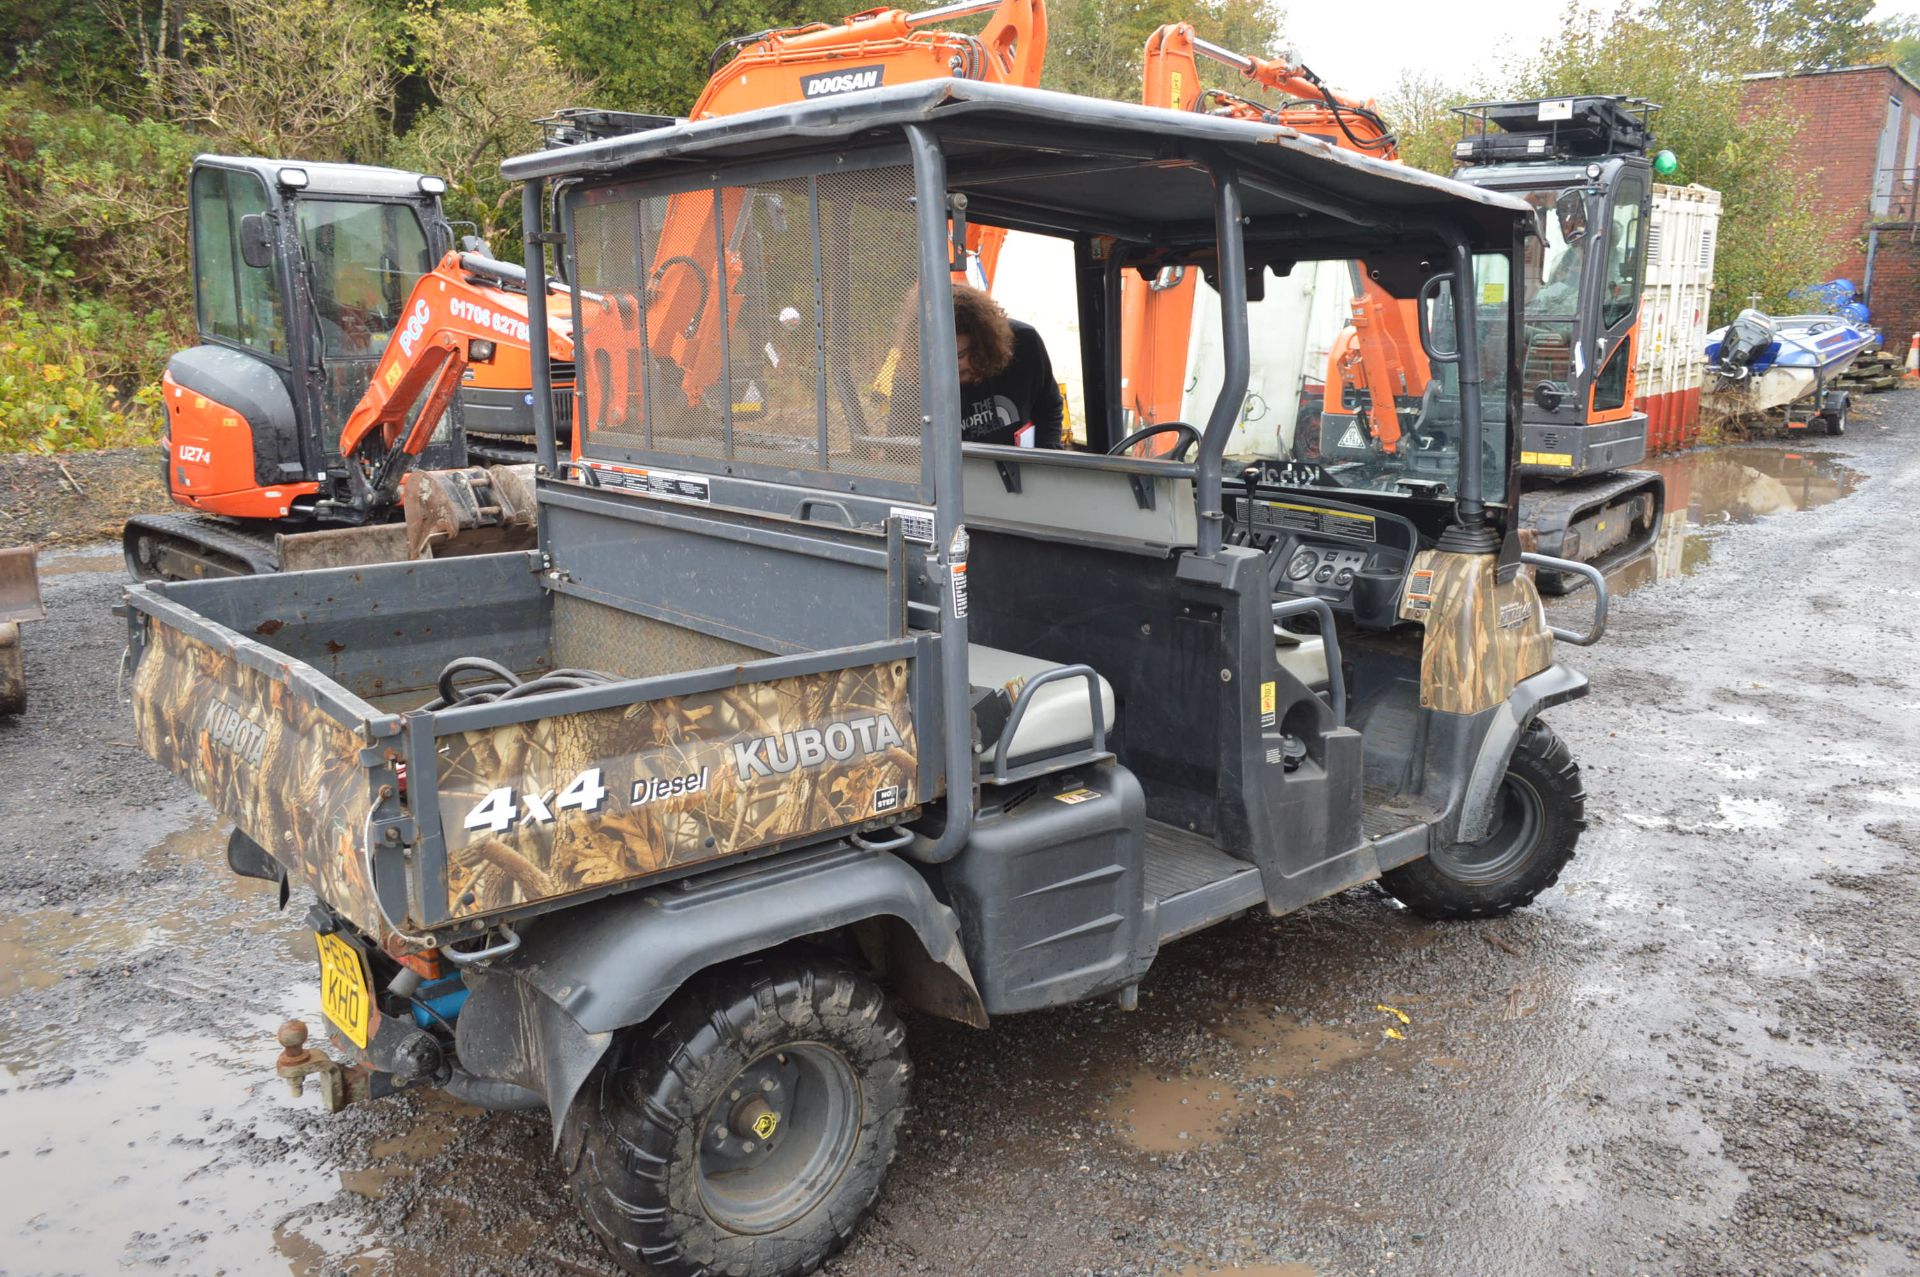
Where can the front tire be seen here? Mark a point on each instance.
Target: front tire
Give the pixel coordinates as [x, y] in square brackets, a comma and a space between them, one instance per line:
[1541, 813]
[747, 1129]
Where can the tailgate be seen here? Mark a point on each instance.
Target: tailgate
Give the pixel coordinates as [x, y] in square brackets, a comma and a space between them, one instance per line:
[276, 747]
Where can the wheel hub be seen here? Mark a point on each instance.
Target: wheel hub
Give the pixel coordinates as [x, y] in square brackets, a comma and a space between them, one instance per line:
[778, 1138]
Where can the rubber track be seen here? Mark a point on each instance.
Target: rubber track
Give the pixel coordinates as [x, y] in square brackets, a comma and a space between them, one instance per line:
[249, 546]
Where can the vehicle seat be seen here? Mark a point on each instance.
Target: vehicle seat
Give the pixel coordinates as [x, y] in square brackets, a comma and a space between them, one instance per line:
[1302, 655]
[1061, 715]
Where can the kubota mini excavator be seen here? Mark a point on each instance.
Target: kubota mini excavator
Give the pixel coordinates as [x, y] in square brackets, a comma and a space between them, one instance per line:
[336, 321]
[303, 272]
[1583, 163]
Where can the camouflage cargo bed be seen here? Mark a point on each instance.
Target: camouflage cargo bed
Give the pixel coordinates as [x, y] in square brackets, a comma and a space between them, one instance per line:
[302, 706]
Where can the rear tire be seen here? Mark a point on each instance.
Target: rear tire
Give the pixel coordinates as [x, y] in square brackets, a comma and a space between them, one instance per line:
[1542, 811]
[1835, 422]
[747, 1129]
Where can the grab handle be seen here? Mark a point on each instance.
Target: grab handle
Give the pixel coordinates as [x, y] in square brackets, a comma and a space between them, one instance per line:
[1599, 582]
[1329, 645]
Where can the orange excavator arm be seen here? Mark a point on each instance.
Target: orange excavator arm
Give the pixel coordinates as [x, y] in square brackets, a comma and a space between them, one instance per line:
[1157, 317]
[691, 264]
[457, 311]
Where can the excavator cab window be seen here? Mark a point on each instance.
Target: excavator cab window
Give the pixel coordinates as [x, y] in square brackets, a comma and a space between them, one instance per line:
[1555, 262]
[1622, 286]
[362, 261]
[236, 303]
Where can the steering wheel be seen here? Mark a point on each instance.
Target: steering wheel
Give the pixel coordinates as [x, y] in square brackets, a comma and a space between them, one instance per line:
[1188, 437]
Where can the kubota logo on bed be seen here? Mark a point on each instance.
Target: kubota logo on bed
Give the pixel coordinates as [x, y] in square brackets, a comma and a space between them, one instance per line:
[812, 746]
[233, 732]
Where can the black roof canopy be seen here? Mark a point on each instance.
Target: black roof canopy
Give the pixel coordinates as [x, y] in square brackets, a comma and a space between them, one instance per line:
[1048, 161]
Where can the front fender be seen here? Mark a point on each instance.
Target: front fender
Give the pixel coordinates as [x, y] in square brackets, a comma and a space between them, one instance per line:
[1551, 686]
[543, 1017]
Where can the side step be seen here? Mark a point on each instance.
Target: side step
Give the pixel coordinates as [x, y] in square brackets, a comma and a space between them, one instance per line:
[1194, 883]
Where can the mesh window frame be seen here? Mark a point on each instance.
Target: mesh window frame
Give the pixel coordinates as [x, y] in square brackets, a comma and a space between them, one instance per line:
[904, 469]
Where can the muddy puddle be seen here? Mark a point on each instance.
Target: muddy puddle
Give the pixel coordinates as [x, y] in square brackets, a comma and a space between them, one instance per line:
[1264, 1055]
[1712, 488]
[76, 562]
[170, 1147]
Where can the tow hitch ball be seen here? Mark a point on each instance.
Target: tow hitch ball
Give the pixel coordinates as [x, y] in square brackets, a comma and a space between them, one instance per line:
[339, 1085]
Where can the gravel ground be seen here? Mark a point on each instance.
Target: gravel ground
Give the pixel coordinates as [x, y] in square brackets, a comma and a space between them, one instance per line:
[1697, 1055]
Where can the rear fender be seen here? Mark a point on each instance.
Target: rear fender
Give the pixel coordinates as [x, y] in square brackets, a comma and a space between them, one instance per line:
[542, 1018]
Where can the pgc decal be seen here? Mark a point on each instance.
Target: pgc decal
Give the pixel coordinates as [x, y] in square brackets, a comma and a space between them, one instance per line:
[416, 324]
[851, 80]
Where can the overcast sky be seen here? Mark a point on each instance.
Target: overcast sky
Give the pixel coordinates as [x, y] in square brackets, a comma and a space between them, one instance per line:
[1364, 49]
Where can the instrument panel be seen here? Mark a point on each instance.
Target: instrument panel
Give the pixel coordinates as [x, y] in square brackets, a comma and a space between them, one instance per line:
[1353, 557]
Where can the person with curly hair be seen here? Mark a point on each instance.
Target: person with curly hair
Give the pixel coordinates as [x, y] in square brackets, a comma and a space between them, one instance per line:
[1007, 391]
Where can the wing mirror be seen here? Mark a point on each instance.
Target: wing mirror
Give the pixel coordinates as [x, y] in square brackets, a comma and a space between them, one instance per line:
[1571, 211]
[256, 241]
[1549, 396]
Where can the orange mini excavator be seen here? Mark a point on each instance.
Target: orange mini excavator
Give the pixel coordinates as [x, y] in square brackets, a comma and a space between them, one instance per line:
[343, 341]
[1582, 162]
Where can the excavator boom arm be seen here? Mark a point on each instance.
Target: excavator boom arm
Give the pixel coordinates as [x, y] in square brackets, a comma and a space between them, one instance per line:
[452, 310]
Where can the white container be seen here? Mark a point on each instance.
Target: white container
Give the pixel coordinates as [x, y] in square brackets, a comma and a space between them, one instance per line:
[1681, 239]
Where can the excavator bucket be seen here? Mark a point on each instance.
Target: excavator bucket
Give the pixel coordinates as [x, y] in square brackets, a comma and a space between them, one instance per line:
[20, 586]
[19, 601]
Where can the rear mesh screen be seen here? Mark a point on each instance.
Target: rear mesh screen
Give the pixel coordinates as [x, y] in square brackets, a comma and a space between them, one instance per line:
[801, 357]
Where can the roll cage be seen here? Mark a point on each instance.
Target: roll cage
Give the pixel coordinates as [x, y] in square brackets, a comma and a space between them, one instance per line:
[1134, 188]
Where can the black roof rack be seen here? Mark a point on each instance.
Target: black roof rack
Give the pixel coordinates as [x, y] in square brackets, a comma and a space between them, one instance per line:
[1543, 129]
[574, 124]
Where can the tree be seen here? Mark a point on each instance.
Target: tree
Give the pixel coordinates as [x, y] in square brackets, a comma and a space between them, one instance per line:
[1667, 52]
[653, 57]
[1419, 110]
[1902, 44]
[491, 74]
[1094, 46]
[312, 79]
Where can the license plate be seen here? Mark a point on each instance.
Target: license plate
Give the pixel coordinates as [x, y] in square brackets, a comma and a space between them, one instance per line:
[346, 990]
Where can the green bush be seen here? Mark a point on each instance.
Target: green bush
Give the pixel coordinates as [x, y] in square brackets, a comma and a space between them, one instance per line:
[58, 387]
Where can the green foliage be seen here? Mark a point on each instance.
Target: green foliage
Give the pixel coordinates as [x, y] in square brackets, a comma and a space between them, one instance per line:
[654, 57]
[1094, 46]
[491, 74]
[1902, 44]
[57, 390]
[299, 79]
[91, 203]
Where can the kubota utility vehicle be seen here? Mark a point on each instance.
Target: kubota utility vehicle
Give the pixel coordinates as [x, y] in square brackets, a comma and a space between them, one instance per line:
[795, 712]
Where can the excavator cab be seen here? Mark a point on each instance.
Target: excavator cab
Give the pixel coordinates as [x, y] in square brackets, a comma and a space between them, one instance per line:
[300, 272]
[1582, 163]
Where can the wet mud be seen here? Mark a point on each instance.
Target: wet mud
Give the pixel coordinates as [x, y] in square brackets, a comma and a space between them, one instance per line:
[1697, 1055]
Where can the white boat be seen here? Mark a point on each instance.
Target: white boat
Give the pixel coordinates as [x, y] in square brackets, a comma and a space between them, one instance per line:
[1760, 362]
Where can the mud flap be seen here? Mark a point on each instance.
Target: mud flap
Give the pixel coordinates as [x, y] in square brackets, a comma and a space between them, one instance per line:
[542, 1018]
[1551, 686]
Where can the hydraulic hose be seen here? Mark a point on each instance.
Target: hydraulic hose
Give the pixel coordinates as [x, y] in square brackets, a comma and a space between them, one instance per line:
[503, 684]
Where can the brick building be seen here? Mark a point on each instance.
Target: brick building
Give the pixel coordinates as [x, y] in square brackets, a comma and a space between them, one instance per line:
[1857, 152]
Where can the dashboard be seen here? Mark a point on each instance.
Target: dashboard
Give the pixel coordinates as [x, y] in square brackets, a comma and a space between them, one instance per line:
[1350, 556]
